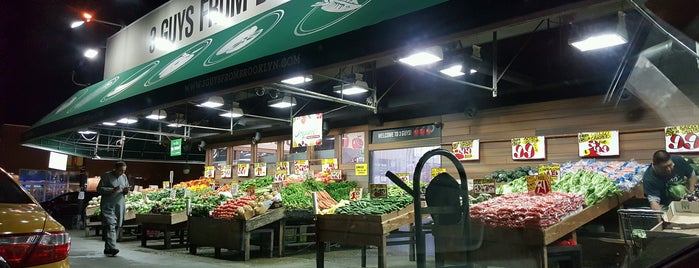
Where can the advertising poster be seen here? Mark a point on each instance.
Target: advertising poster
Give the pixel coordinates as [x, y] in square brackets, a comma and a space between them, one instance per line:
[300, 166]
[307, 130]
[353, 147]
[260, 169]
[328, 165]
[594, 144]
[283, 166]
[466, 150]
[243, 170]
[529, 148]
[682, 139]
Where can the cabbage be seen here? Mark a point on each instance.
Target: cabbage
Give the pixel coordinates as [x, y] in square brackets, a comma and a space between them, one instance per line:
[677, 191]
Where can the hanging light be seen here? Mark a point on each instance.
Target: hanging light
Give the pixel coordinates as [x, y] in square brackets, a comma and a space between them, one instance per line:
[233, 113]
[284, 102]
[128, 120]
[157, 115]
[296, 80]
[605, 39]
[424, 57]
[213, 102]
[108, 123]
[359, 86]
[453, 71]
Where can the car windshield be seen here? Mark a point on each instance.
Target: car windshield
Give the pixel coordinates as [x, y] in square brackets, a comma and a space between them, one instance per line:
[10, 192]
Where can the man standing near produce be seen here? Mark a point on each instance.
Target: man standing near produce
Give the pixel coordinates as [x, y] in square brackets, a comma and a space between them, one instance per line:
[669, 178]
[113, 186]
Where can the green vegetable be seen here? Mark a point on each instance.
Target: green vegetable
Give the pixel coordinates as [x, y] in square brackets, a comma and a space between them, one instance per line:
[677, 191]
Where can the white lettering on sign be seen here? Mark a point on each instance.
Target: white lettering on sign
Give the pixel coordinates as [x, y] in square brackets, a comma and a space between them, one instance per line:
[180, 23]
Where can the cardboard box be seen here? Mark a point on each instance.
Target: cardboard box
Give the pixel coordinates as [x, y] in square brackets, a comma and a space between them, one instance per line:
[682, 215]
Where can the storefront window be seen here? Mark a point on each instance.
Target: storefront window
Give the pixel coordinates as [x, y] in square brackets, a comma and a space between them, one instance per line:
[291, 154]
[266, 152]
[219, 156]
[353, 148]
[242, 153]
[325, 150]
[401, 161]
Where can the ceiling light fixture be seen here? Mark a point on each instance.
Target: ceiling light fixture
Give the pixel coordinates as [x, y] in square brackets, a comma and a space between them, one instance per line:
[109, 123]
[359, 86]
[213, 102]
[473, 71]
[298, 80]
[87, 132]
[234, 113]
[284, 102]
[453, 71]
[128, 120]
[157, 115]
[605, 39]
[177, 123]
[91, 53]
[425, 57]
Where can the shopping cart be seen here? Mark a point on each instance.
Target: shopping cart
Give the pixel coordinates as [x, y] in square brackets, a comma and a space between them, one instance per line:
[634, 223]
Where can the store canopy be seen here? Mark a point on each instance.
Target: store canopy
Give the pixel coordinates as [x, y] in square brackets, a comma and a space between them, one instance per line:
[292, 38]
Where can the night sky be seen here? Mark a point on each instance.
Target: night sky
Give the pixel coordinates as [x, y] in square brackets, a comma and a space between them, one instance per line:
[39, 51]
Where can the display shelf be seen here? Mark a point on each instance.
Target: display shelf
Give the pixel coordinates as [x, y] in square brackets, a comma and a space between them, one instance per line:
[166, 223]
[235, 234]
[360, 230]
[528, 246]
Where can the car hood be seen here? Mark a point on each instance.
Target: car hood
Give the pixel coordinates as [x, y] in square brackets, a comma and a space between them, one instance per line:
[26, 218]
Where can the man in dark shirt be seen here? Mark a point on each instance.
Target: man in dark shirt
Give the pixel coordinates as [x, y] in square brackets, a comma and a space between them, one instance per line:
[665, 171]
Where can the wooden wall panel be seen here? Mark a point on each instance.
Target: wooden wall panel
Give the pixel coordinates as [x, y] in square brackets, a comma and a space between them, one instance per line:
[640, 131]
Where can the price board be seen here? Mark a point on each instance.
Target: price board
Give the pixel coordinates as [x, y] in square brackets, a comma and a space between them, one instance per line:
[280, 176]
[260, 169]
[336, 175]
[355, 194]
[283, 166]
[379, 190]
[243, 170]
[277, 186]
[234, 188]
[484, 186]
[403, 176]
[361, 169]
[251, 190]
[539, 184]
[166, 184]
[553, 171]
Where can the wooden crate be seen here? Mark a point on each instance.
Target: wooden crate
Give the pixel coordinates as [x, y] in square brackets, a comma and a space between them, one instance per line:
[163, 218]
[231, 234]
[89, 211]
[362, 229]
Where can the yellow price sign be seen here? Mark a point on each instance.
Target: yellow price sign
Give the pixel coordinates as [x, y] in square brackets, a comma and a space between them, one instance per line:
[361, 169]
[553, 171]
[436, 171]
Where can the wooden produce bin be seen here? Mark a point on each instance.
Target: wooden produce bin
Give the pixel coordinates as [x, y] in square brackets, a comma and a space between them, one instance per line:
[528, 247]
[235, 234]
[359, 230]
[165, 222]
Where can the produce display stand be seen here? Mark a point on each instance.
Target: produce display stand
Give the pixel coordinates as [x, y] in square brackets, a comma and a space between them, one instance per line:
[529, 247]
[94, 223]
[235, 234]
[299, 227]
[359, 230]
[165, 222]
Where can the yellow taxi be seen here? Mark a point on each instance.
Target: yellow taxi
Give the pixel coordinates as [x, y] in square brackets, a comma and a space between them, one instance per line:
[29, 237]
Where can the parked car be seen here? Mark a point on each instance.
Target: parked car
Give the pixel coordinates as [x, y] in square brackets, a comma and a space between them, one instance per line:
[66, 207]
[29, 236]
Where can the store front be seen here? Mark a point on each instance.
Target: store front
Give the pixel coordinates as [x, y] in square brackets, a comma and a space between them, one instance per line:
[514, 112]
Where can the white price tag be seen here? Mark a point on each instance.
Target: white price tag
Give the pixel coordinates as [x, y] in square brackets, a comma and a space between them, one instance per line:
[81, 195]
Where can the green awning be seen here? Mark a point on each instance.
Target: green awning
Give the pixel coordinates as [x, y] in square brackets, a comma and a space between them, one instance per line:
[239, 54]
